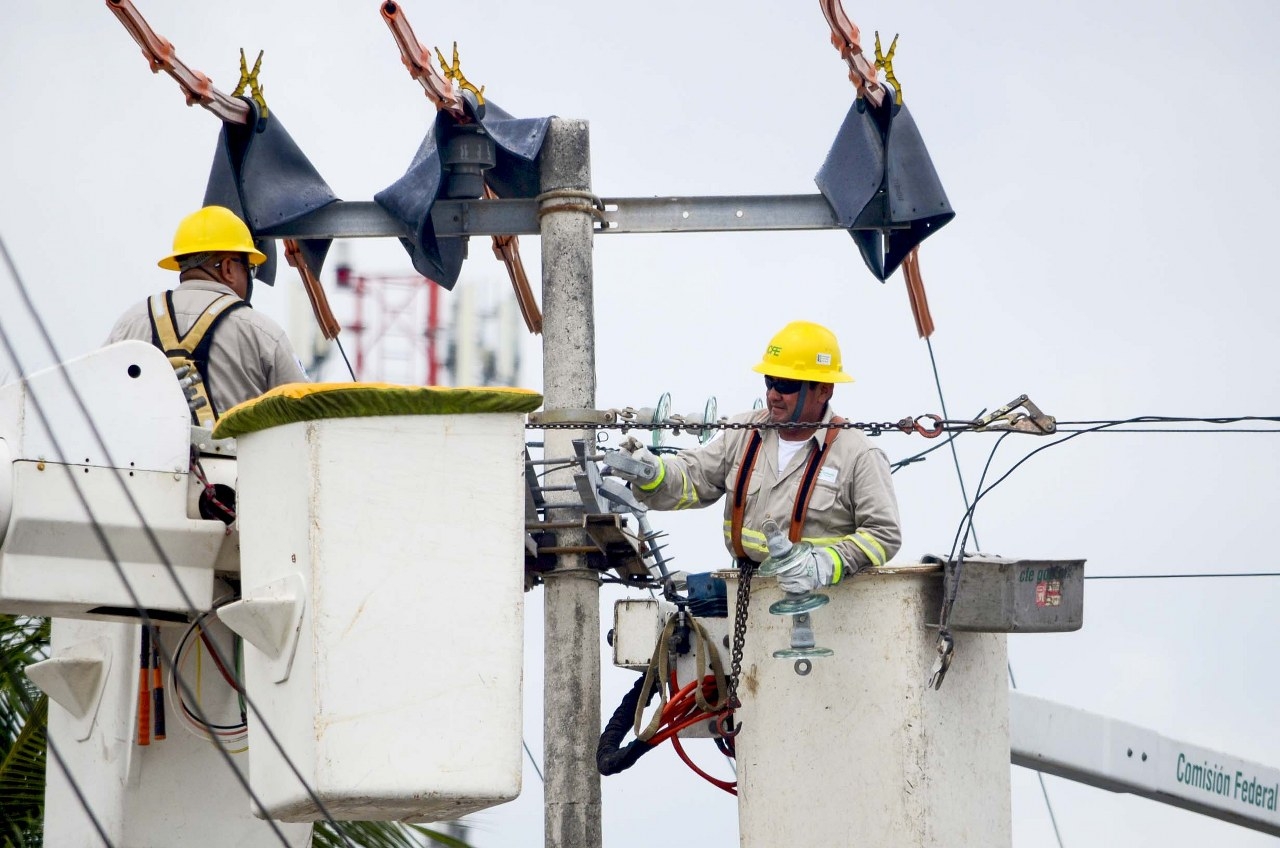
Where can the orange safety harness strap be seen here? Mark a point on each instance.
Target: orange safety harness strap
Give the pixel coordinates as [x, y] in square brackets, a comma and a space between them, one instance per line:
[805, 492]
[740, 492]
[749, 456]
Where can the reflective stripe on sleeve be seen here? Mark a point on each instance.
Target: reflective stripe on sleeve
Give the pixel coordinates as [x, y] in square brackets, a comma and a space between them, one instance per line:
[839, 569]
[869, 546]
[657, 481]
[688, 492]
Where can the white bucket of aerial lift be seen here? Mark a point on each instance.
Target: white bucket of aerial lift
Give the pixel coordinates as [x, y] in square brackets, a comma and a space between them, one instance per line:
[106, 788]
[383, 606]
[860, 751]
[52, 562]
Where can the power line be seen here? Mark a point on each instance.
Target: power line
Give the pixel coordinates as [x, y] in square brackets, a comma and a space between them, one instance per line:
[101, 537]
[1173, 419]
[1181, 576]
[955, 457]
[969, 511]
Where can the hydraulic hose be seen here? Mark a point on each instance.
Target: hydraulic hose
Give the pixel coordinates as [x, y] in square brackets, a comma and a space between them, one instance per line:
[611, 756]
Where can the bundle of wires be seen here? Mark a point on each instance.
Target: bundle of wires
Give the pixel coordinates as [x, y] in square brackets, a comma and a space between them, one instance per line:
[679, 712]
[232, 737]
[682, 711]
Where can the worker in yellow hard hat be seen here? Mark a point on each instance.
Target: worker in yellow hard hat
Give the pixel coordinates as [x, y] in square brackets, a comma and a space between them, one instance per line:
[824, 485]
[224, 351]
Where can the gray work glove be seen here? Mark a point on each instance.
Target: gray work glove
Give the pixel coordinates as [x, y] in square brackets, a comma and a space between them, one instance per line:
[632, 461]
[811, 572]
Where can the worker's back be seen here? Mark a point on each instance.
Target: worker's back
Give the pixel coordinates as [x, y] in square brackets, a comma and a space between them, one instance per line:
[248, 353]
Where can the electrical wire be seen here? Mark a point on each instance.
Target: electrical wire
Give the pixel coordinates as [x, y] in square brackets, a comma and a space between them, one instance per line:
[969, 511]
[343, 351]
[914, 458]
[1076, 429]
[682, 712]
[942, 401]
[1174, 419]
[532, 761]
[101, 537]
[1180, 576]
[1100, 426]
[225, 735]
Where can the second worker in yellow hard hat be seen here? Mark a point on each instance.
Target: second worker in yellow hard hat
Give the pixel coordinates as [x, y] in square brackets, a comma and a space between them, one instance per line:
[825, 485]
[226, 352]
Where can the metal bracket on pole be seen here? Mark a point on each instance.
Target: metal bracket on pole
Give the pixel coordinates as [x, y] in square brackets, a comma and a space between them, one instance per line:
[585, 417]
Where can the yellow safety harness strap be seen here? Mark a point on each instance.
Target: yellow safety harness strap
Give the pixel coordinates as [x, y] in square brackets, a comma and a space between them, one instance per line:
[191, 347]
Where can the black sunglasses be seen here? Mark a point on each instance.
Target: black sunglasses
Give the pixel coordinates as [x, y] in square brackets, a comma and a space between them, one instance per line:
[249, 268]
[781, 386]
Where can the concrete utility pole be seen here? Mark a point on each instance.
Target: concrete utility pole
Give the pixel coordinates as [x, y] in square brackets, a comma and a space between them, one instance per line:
[571, 631]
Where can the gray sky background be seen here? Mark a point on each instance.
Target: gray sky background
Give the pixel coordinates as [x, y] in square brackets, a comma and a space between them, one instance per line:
[1113, 170]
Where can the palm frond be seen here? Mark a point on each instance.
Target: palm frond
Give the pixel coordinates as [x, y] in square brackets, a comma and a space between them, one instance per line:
[22, 764]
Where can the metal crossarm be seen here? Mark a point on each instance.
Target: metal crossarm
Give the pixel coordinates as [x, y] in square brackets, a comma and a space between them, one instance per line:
[360, 219]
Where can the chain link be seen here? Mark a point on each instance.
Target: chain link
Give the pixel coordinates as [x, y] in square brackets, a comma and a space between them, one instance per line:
[746, 568]
[926, 425]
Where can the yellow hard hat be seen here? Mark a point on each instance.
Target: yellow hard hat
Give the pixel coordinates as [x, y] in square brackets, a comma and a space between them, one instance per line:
[803, 350]
[213, 229]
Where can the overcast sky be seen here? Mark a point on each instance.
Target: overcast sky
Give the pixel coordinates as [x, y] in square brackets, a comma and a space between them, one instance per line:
[1113, 171]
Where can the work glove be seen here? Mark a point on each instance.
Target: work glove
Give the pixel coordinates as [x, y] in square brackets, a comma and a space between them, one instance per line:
[812, 571]
[632, 461]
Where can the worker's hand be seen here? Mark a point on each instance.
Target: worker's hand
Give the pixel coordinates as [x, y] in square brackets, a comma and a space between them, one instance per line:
[632, 461]
[813, 571]
[630, 445]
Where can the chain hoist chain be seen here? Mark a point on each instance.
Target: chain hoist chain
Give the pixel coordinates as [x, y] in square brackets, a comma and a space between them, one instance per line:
[926, 425]
[746, 568]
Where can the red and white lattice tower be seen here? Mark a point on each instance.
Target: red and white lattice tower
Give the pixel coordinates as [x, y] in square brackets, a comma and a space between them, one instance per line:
[395, 331]
[399, 328]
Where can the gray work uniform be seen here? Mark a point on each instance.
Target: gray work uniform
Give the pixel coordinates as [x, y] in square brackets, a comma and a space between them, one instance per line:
[853, 512]
[249, 354]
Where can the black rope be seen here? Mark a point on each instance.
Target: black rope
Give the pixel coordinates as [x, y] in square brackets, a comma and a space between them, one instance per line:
[101, 537]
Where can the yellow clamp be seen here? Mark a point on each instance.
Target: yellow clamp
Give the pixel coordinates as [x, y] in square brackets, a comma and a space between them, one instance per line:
[884, 62]
[249, 79]
[454, 72]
